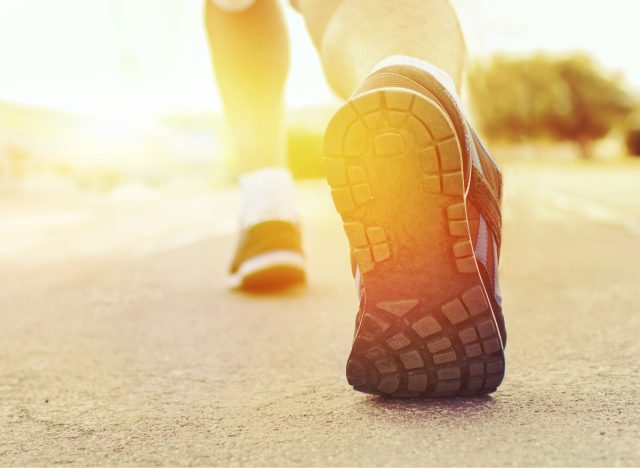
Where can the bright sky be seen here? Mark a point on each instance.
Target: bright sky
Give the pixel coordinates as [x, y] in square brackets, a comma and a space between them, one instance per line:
[138, 57]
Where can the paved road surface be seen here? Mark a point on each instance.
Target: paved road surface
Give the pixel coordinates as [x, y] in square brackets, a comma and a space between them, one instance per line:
[121, 345]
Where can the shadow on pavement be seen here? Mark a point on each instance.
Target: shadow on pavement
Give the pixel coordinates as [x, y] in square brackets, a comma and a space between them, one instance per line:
[462, 406]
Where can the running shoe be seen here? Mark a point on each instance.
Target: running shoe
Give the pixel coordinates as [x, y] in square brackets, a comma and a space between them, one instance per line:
[420, 200]
[268, 257]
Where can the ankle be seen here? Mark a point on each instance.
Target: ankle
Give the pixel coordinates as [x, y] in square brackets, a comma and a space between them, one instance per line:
[441, 75]
[268, 194]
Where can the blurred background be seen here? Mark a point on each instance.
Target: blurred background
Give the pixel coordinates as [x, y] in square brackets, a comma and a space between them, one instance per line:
[109, 109]
[96, 94]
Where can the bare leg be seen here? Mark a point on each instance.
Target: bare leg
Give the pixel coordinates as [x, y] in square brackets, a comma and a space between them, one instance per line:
[353, 36]
[250, 53]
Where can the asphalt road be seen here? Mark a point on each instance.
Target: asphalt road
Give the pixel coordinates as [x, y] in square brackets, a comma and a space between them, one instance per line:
[120, 344]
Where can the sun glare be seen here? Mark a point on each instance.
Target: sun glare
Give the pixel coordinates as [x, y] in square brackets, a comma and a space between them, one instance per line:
[128, 59]
[119, 83]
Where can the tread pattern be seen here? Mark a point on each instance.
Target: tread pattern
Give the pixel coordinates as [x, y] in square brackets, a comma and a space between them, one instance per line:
[447, 351]
[369, 244]
[410, 346]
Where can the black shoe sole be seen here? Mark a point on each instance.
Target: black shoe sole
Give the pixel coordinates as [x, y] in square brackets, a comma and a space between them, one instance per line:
[394, 164]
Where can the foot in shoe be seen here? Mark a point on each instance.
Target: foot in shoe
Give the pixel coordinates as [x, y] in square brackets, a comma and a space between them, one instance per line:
[268, 257]
[420, 201]
[269, 254]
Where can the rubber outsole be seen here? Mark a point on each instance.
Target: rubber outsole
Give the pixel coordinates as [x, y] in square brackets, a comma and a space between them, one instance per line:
[394, 164]
[271, 271]
[273, 278]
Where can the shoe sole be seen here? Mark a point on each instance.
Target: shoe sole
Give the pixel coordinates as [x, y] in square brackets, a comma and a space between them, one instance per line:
[394, 164]
[270, 271]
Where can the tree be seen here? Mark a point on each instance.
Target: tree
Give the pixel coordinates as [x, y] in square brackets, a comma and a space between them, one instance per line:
[541, 96]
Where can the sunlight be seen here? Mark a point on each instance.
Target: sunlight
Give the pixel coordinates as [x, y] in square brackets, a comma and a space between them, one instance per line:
[130, 59]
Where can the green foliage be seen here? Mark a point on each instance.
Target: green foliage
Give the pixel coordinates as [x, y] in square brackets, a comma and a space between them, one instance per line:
[305, 156]
[557, 98]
